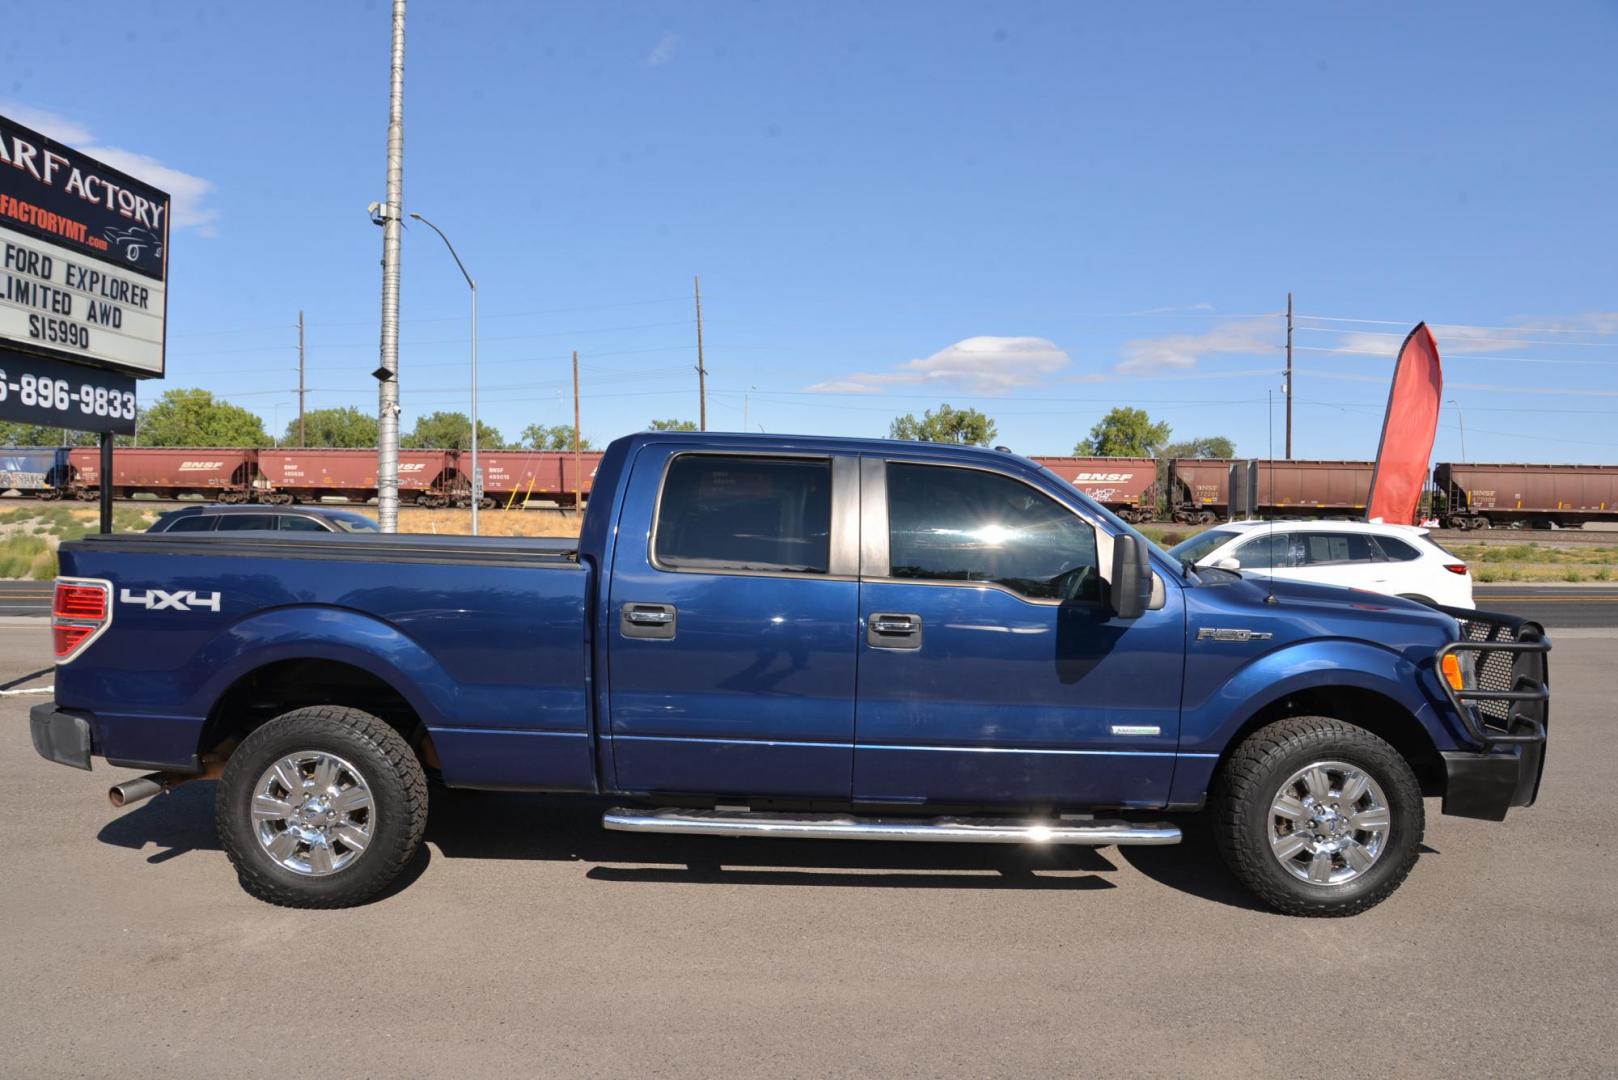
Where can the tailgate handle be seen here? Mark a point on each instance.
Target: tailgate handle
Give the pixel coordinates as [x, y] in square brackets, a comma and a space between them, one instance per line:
[654, 621]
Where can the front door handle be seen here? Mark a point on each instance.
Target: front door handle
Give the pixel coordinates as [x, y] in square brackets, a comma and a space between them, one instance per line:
[654, 621]
[893, 631]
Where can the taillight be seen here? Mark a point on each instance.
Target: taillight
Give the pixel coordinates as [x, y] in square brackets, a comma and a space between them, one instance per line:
[1455, 567]
[80, 610]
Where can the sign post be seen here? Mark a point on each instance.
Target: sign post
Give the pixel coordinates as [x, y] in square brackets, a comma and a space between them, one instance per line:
[83, 290]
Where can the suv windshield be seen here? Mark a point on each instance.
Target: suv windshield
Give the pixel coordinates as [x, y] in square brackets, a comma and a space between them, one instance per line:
[1193, 550]
[352, 522]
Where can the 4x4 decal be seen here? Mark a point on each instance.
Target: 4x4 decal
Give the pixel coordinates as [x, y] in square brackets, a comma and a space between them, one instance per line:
[180, 600]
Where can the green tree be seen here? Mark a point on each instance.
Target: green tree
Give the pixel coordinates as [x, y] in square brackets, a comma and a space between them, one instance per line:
[1124, 432]
[1207, 446]
[38, 435]
[966, 427]
[346, 427]
[450, 431]
[541, 437]
[197, 418]
[672, 425]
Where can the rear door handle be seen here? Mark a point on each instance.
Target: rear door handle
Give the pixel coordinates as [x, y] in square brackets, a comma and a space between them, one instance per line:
[654, 621]
[893, 631]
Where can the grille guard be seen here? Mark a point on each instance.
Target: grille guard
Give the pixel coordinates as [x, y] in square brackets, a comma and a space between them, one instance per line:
[1510, 703]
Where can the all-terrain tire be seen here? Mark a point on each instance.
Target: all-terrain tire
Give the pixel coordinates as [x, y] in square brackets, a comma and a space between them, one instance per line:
[398, 790]
[1247, 786]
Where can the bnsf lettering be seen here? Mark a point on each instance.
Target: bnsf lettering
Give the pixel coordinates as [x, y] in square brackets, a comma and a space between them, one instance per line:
[200, 466]
[1103, 477]
[406, 466]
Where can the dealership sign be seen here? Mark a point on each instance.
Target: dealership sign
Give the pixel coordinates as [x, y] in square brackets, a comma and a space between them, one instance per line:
[83, 262]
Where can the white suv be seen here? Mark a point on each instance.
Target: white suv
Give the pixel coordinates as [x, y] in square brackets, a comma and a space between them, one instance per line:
[1400, 560]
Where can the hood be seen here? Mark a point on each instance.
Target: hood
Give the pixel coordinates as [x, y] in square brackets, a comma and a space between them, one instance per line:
[1325, 611]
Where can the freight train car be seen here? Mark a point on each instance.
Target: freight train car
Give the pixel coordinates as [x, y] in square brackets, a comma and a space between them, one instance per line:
[426, 477]
[32, 470]
[221, 474]
[1126, 486]
[1483, 495]
[1200, 489]
[516, 476]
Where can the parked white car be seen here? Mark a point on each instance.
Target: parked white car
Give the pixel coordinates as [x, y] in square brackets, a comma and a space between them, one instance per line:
[1399, 560]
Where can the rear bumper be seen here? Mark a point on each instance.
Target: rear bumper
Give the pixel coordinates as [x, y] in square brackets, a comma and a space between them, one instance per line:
[59, 736]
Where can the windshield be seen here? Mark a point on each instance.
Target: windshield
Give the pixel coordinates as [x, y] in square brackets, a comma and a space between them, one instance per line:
[353, 522]
[1195, 549]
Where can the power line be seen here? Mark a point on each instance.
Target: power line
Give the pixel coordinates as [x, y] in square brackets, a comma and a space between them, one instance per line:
[1463, 326]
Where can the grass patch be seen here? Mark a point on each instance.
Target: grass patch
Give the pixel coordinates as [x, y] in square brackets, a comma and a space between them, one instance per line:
[19, 553]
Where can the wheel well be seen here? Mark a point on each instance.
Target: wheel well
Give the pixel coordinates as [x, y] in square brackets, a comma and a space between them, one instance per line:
[267, 692]
[1376, 713]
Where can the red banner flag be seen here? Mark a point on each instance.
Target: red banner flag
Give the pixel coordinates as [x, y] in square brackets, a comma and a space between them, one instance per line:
[1402, 459]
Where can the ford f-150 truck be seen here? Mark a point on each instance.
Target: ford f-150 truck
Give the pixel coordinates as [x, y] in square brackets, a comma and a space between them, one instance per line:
[790, 637]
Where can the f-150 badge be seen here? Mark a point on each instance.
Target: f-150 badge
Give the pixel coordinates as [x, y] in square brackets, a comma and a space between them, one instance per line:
[1219, 633]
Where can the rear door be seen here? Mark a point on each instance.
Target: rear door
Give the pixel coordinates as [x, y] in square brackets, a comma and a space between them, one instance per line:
[991, 667]
[733, 603]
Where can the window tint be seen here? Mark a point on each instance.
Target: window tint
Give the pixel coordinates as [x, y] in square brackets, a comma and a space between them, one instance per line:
[1335, 547]
[745, 513]
[243, 522]
[193, 523]
[963, 525]
[290, 523]
[1397, 550]
[1270, 551]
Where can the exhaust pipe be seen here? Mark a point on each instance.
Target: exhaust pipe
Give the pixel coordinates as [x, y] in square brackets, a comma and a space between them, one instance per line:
[133, 791]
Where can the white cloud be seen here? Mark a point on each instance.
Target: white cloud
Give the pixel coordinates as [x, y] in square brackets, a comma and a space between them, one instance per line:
[189, 193]
[664, 50]
[1466, 340]
[979, 365]
[1143, 356]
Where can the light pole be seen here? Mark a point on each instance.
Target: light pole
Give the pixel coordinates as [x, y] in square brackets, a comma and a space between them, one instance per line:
[1461, 418]
[477, 477]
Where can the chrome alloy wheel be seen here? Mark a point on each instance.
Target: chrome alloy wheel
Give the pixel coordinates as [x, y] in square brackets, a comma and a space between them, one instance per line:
[313, 813]
[1329, 823]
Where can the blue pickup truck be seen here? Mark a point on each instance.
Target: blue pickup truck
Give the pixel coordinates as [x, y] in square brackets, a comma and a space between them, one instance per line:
[790, 637]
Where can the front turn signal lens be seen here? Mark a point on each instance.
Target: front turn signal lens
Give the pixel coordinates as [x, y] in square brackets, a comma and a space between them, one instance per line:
[1451, 666]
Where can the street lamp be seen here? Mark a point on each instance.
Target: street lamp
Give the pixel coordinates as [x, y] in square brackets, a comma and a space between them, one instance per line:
[477, 477]
[1461, 418]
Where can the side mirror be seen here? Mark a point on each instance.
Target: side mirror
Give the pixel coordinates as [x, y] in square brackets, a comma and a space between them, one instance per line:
[1228, 563]
[1131, 588]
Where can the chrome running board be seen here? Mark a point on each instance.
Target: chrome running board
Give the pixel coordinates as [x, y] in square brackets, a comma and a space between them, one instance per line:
[956, 830]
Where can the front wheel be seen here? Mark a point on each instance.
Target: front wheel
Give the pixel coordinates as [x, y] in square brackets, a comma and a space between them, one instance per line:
[1318, 817]
[321, 808]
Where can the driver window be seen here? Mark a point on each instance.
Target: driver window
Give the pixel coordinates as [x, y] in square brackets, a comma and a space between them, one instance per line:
[947, 524]
[1271, 551]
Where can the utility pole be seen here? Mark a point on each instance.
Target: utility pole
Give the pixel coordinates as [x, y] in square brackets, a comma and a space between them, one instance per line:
[300, 381]
[1289, 376]
[387, 374]
[578, 467]
[702, 372]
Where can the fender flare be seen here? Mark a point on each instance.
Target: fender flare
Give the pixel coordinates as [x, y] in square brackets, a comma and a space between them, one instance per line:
[319, 632]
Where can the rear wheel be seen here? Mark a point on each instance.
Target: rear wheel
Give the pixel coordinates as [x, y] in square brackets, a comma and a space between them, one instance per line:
[321, 808]
[1318, 817]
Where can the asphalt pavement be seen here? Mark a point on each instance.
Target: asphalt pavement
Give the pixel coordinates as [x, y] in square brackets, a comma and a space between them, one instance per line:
[526, 941]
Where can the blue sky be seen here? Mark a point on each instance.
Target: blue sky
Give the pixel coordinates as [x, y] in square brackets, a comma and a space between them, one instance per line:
[1040, 209]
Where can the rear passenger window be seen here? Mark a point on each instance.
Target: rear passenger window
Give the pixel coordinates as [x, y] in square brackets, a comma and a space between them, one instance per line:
[194, 523]
[301, 524]
[1397, 550]
[948, 524]
[245, 522]
[1333, 547]
[745, 513]
[1271, 551]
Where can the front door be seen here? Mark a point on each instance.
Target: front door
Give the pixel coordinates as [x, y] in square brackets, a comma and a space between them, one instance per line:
[991, 668]
[733, 605]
